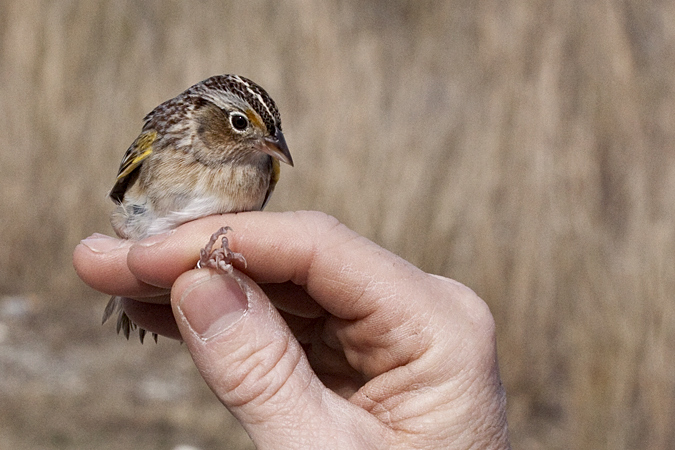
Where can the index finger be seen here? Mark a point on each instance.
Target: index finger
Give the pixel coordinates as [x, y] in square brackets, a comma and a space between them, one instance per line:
[344, 272]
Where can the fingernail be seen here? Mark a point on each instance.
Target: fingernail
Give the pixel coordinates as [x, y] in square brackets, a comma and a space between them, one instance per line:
[213, 305]
[156, 239]
[100, 243]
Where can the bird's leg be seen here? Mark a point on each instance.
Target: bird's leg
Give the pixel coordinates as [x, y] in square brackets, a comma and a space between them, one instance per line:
[221, 258]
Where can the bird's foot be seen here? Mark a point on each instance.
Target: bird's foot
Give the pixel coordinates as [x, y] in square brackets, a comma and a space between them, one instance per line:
[221, 258]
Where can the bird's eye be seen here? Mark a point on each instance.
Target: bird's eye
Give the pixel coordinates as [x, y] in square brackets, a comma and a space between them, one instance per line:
[239, 121]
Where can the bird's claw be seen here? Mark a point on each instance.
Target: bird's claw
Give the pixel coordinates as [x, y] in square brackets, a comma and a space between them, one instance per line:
[220, 259]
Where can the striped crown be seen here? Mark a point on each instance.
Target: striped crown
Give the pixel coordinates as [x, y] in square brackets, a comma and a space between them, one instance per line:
[252, 93]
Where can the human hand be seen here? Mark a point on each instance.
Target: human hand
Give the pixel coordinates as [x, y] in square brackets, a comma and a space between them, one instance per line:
[325, 340]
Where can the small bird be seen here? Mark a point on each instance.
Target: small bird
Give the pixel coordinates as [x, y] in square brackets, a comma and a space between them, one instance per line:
[213, 149]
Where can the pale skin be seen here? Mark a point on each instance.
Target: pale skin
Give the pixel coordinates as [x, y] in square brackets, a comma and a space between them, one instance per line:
[324, 340]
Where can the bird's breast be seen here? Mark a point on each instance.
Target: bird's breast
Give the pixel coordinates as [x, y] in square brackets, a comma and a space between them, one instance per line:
[165, 203]
[196, 207]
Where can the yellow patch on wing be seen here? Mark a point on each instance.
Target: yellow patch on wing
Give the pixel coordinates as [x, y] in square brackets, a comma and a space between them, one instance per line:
[139, 150]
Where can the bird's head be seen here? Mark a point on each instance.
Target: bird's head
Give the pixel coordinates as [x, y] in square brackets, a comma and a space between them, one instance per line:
[234, 119]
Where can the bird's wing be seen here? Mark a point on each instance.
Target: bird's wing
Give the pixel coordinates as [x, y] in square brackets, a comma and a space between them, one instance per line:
[276, 170]
[135, 155]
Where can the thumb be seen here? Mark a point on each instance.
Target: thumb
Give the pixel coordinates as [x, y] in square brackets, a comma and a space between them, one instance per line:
[251, 360]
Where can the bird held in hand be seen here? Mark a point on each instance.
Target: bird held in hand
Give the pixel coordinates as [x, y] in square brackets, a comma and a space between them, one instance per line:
[213, 149]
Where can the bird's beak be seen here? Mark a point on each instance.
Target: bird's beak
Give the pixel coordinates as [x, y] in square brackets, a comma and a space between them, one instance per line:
[276, 147]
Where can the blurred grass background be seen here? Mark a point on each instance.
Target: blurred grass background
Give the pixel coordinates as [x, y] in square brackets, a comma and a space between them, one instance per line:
[524, 148]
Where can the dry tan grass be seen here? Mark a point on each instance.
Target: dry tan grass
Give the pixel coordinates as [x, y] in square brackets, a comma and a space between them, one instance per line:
[525, 148]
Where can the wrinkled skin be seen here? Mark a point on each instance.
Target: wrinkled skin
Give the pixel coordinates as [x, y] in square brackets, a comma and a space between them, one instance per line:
[324, 340]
